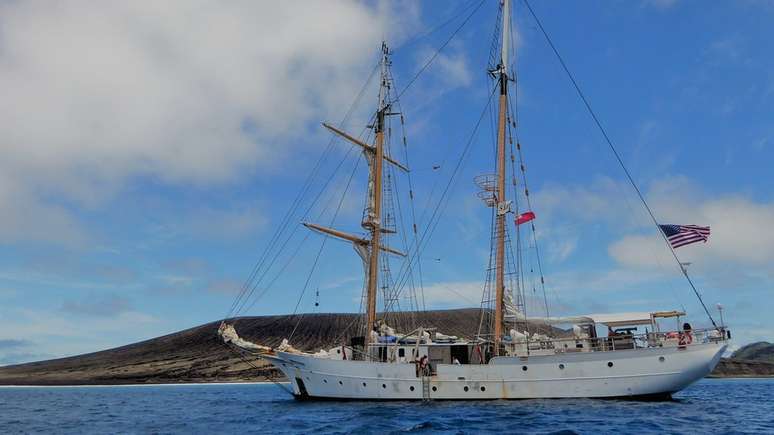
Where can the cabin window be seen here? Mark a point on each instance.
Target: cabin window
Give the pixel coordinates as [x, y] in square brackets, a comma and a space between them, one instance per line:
[561, 366]
[524, 368]
[661, 359]
[483, 388]
[411, 388]
[610, 364]
[401, 352]
[466, 389]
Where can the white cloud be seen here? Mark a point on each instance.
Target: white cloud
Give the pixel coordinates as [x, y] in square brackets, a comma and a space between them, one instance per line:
[457, 293]
[560, 250]
[95, 94]
[452, 67]
[603, 199]
[741, 229]
[59, 333]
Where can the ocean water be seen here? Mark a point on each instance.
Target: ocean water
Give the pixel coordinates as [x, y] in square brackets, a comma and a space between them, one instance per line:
[710, 406]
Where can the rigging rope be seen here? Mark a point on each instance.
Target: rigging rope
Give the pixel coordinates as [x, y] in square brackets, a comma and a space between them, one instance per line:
[458, 13]
[618, 158]
[411, 200]
[322, 247]
[438, 51]
[443, 200]
[248, 288]
[513, 116]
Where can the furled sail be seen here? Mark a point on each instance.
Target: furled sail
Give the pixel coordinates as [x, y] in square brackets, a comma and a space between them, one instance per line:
[229, 335]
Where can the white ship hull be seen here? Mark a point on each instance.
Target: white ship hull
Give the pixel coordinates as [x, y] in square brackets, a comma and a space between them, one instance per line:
[657, 371]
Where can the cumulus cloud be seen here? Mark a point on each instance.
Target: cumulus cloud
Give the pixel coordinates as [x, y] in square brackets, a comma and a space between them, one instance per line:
[741, 231]
[183, 92]
[60, 333]
[741, 228]
[604, 198]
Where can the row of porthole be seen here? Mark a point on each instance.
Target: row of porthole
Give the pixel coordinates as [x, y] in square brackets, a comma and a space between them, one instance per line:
[524, 368]
[465, 388]
[325, 381]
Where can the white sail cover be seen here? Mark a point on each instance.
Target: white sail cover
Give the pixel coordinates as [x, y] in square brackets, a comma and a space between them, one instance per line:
[229, 335]
[612, 319]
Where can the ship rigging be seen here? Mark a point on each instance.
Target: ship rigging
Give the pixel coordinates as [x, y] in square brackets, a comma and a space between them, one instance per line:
[511, 355]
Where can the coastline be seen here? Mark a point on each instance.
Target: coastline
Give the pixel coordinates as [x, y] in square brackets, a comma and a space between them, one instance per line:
[196, 356]
[260, 382]
[144, 385]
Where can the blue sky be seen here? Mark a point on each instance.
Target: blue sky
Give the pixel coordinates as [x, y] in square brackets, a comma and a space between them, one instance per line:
[150, 154]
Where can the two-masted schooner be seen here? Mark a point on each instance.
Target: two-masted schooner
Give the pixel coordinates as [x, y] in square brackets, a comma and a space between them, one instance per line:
[503, 360]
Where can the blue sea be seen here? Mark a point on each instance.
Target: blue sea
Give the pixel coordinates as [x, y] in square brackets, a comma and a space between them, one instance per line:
[710, 406]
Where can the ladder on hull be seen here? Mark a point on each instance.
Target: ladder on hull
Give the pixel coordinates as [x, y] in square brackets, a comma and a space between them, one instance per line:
[426, 388]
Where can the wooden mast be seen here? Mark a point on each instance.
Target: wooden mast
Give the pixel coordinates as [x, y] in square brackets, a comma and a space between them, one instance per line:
[502, 203]
[374, 220]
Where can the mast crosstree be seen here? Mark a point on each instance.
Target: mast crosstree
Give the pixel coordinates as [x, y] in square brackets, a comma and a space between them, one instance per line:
[420, 363]
[369, 249]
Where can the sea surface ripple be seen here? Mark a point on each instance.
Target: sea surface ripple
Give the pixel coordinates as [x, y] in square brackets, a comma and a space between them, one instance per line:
[710, 406]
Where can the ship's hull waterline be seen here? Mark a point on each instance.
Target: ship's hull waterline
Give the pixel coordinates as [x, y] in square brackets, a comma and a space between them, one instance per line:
[650, 372]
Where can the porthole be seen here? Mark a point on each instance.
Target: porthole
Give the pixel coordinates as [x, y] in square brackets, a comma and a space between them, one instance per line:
[524, 368]
[384, 385]
[610, 364]
[364, 384]
[483, 388]
[411, 388]
[661, 359]
[341, 383]
[307, 378]
[561, 366]
[435, 388]
[466, 388]
[325, 381]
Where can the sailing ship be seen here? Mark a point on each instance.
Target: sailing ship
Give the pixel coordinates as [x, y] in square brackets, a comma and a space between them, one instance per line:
[508, 357]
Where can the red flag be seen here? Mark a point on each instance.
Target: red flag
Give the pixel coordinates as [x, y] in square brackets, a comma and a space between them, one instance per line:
[525, 217]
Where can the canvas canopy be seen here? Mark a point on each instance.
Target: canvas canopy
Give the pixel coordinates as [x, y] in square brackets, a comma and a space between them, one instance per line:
[611, 319]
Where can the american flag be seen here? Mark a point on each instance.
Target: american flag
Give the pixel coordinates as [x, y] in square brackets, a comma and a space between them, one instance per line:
[681, 235]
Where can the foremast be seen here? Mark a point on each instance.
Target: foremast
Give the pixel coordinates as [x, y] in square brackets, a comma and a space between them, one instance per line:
[373, 221]
[370, 248]
[503, 206]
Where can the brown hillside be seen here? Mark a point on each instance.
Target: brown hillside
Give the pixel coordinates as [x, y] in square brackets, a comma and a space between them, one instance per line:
[197, 354]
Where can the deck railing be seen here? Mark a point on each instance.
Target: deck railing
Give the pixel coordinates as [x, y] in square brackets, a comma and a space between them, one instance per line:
[625, 341]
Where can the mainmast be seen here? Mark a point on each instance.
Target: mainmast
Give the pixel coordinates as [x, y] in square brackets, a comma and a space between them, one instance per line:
[503, 206]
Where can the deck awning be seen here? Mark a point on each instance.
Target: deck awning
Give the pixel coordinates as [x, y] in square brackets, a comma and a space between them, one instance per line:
[610, 319]
[622, 319]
